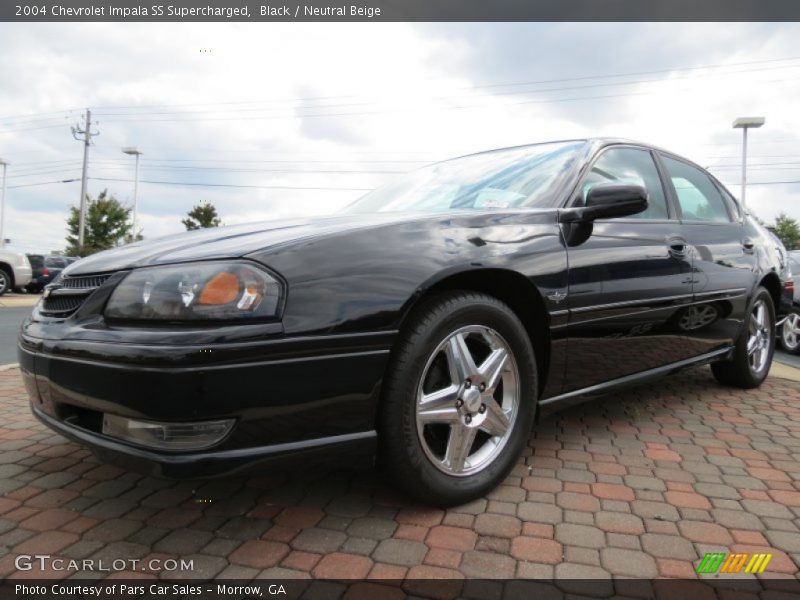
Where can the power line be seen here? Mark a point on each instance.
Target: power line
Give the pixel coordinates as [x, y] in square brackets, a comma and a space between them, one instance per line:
[465, 88]
[301, 161]
[31, 128]
[447, 97]
[24, 185]
[230, 185]
[53, 112]
[404, 109]
[47, 172]
[296, 171]
[795, 181]
[739, 166]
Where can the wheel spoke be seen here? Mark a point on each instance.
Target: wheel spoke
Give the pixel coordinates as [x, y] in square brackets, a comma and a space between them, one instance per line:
[459, 358]
[439, 406]
[492, 368]
[760, 315]
[752, 345]
[458, 447]
[496, 422]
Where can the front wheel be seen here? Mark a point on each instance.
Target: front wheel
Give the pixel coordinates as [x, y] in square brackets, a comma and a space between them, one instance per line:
[790, 333]
[752, 355]
[459, 399]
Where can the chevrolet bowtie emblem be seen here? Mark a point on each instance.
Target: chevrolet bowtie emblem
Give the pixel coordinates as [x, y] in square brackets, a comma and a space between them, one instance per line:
[557, 296]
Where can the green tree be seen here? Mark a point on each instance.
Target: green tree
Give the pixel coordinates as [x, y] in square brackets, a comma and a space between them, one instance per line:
[107, 224]
[788, 230]
[202, 216]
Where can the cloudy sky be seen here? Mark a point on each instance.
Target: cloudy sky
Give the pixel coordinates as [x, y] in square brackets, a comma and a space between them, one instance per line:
[273, 120]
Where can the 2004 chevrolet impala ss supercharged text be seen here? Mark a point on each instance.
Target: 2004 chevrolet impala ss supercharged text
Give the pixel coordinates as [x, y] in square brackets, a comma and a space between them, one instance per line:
[426, 324]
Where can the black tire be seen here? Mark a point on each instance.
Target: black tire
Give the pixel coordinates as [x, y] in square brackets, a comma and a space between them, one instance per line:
[6, 280]
[401, 448]
[790, 340]
[738, 370]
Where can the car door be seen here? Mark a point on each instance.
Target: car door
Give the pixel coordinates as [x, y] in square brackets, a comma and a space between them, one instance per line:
[628, 281]
[722, 259]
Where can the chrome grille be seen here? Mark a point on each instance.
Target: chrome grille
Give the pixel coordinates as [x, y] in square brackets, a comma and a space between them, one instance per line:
[68, 294]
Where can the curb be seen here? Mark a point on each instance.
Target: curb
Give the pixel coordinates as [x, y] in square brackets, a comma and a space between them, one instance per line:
[19, 302]
[8, 367]
[783, 371]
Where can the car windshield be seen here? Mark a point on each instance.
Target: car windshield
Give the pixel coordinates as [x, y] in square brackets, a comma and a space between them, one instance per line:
[55, 262]
[525, 177]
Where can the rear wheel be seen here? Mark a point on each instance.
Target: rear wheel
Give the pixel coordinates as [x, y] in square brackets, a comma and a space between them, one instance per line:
[459, 399]
[752, 355]
[5, 281]
[790, 333]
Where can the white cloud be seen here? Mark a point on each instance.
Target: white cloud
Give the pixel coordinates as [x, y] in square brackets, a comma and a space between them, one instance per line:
[394, 93]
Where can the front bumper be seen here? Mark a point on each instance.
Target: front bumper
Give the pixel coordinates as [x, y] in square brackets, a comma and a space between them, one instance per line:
[353, 449]
[291, 399]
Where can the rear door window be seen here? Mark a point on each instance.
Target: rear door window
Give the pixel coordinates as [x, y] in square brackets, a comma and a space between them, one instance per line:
[698, 197]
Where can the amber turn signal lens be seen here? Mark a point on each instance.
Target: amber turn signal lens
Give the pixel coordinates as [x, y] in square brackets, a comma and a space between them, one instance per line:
[223, 288]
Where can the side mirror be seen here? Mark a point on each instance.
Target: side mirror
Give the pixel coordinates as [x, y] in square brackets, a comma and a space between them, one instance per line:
[607, 201]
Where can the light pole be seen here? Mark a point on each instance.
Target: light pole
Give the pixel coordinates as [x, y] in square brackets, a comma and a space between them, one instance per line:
[134, 151]
[745, 123]
[4, 164]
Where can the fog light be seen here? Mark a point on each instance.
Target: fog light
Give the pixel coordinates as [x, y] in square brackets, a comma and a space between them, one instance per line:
[167, 436]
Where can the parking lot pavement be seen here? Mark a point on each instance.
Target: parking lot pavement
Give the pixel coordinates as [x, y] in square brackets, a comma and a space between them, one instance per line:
[640, 484]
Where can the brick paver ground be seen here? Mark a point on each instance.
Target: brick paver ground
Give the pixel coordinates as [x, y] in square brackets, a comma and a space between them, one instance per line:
[639, 484]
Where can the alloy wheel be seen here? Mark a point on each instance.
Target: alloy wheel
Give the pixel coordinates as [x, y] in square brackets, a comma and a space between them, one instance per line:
[760, 337]
[3, 282]
[790, 332]
[467, 400]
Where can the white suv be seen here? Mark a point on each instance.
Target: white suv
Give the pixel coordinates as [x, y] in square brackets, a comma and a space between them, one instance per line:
[15, 270]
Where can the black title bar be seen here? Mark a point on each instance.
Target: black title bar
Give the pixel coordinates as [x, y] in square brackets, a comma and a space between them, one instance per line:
[399, 10]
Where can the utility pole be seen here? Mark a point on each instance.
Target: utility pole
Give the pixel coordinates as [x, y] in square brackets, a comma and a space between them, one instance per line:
[87, 134]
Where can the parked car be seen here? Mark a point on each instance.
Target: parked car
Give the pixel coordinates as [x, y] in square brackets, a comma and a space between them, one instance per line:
[789, 331]
[429, 322]
[15, 270]
[45, 269]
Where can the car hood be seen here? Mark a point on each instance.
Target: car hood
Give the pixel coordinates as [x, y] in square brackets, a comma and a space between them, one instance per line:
[231, 241]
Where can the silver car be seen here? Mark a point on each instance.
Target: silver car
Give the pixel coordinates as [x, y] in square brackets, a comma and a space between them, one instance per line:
[15, 270]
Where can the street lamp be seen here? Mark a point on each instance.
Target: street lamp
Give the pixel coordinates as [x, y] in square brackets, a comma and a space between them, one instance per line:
[745, 123]
[134, 151]
[4, 164]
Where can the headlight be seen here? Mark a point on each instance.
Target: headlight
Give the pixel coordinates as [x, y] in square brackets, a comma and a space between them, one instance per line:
[196, 291]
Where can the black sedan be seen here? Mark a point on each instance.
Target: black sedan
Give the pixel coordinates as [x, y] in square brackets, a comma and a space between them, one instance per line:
[428, 324]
